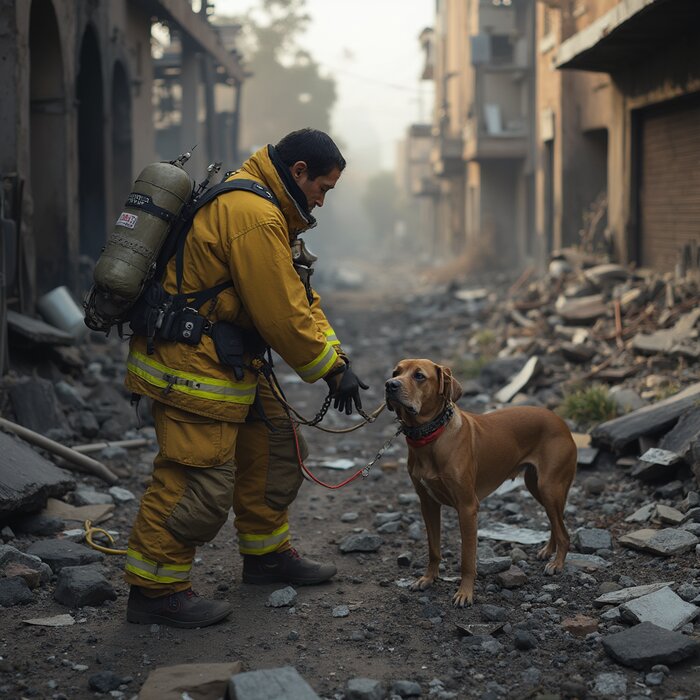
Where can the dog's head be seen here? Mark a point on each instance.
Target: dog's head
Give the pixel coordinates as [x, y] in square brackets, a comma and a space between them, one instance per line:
[420, 388]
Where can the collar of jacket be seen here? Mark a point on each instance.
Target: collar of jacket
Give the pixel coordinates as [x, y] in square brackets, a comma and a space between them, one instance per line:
[260, 167]
[422, 435]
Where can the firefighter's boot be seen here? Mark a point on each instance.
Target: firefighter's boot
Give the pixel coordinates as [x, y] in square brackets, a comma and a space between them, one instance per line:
[184, 609]
[285, 567]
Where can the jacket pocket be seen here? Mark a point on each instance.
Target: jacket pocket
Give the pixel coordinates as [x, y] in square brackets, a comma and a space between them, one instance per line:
[284, 475]
[191, 439]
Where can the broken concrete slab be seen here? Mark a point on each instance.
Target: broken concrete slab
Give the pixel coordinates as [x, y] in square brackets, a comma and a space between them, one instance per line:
[27, 479]
[185, 680]
[32, 331]
[625, 594]
[619, 433]
[684, 439]
[663, 608]
[647, 644]
[519, 381]
[283, 683]
[581, 309]
[668, 515]
[663, 341]
[666, 542]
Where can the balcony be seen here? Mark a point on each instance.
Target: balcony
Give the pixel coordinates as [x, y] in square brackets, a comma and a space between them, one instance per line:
[446, 155]
[498, 124]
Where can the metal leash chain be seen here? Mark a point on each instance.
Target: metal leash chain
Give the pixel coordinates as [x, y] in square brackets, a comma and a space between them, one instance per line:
[379, 455]
[279, 397]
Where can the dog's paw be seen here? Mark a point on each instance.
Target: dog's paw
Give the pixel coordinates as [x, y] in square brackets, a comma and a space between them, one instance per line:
[545, 552]
[552, 568]
[462, 598]
[420, 584]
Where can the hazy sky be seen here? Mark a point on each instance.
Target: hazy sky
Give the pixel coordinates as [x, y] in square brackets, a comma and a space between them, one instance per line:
[371, 47]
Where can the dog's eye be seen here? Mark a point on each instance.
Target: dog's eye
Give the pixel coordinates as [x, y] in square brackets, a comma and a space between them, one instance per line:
[395, 373]
[419, 375]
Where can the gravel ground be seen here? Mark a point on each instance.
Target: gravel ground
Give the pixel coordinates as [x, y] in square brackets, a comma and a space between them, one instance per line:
[366, 623]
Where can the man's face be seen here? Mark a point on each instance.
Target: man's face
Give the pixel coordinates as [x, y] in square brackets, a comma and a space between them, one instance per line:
[315, 190]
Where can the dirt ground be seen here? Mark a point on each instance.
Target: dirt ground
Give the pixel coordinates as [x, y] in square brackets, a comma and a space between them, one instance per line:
[390, 633]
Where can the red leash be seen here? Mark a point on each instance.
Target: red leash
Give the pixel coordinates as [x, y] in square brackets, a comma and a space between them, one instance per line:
[364, 471]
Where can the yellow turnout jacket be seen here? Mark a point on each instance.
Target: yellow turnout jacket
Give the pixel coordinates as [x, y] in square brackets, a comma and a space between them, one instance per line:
[242, 237]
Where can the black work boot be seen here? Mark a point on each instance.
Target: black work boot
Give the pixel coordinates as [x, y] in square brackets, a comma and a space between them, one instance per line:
[285, 567]
[184, 609]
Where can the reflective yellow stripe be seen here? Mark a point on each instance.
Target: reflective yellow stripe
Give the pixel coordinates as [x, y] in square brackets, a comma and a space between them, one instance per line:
[153, 571]
[202, 387]
[316, 369]
[331, 337]
[262, 544]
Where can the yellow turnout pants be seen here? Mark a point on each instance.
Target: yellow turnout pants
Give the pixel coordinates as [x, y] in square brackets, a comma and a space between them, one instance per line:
[204, 467]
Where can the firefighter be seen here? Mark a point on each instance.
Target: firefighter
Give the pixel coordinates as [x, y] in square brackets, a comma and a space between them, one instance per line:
[224, 439]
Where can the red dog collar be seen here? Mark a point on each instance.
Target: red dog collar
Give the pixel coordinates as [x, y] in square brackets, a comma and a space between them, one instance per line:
[422, 442]
[422, 435]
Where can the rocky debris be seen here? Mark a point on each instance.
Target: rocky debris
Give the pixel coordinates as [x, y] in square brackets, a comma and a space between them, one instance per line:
[36, 407]
[590, 540]
[60, 553]
[14, 591]
[645, 645]
[12, 555]
[580, 625]
[284, 682]
[27, 479]
[281, 598]
[82, 585]
[364, 689]
[665, 542]
[361, 542]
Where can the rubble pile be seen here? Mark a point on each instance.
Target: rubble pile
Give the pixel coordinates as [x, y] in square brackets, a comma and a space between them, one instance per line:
[620, 622]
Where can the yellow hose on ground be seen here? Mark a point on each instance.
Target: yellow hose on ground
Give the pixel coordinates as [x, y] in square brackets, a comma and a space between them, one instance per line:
[90, 531]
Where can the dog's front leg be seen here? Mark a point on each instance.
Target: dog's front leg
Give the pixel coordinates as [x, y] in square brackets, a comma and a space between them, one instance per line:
[430, 510]
[467, 511]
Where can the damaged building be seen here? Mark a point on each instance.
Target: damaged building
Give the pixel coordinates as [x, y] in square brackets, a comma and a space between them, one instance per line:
[565, 122]
[79, 125]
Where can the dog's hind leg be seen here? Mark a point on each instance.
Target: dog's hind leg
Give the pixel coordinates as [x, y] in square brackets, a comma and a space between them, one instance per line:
[552, 496]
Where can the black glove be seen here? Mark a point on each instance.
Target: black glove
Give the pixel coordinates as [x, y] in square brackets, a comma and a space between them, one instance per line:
[345, 390]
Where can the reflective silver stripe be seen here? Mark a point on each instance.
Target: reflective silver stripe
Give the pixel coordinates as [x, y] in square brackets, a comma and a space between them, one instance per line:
[316, 369]
[202, 387]
[331, 337]
[156, 572]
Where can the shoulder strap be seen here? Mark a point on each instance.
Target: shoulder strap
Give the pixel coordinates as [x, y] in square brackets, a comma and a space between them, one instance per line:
[210, 194]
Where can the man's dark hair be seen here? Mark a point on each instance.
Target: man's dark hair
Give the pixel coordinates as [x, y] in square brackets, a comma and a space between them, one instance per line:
[316, 148]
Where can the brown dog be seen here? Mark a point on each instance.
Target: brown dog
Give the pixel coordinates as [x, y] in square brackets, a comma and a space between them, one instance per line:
[457, 458]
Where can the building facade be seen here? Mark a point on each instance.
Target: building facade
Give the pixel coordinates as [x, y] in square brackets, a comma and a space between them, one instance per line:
[566, 123]
[78, 125]
[633, 68]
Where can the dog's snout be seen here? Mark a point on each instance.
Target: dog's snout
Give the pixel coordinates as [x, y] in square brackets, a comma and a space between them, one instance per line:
[392, 385]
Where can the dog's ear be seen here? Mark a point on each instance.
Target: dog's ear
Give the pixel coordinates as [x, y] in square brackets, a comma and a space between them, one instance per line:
[448, 387]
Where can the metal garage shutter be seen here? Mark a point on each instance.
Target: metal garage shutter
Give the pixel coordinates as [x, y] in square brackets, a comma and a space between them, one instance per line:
[669, 203]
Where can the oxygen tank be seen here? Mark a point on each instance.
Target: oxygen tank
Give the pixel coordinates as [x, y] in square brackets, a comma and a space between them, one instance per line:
[129, 256]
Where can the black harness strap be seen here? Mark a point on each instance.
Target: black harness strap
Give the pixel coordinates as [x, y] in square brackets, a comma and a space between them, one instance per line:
[210, 194]
[136, 200]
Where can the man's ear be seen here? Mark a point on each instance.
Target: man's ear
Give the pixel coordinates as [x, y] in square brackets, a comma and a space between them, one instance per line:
[448, 387]
[298, 169]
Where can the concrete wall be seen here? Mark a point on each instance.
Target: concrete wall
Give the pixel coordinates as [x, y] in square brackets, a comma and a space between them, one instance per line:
[77, 80]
